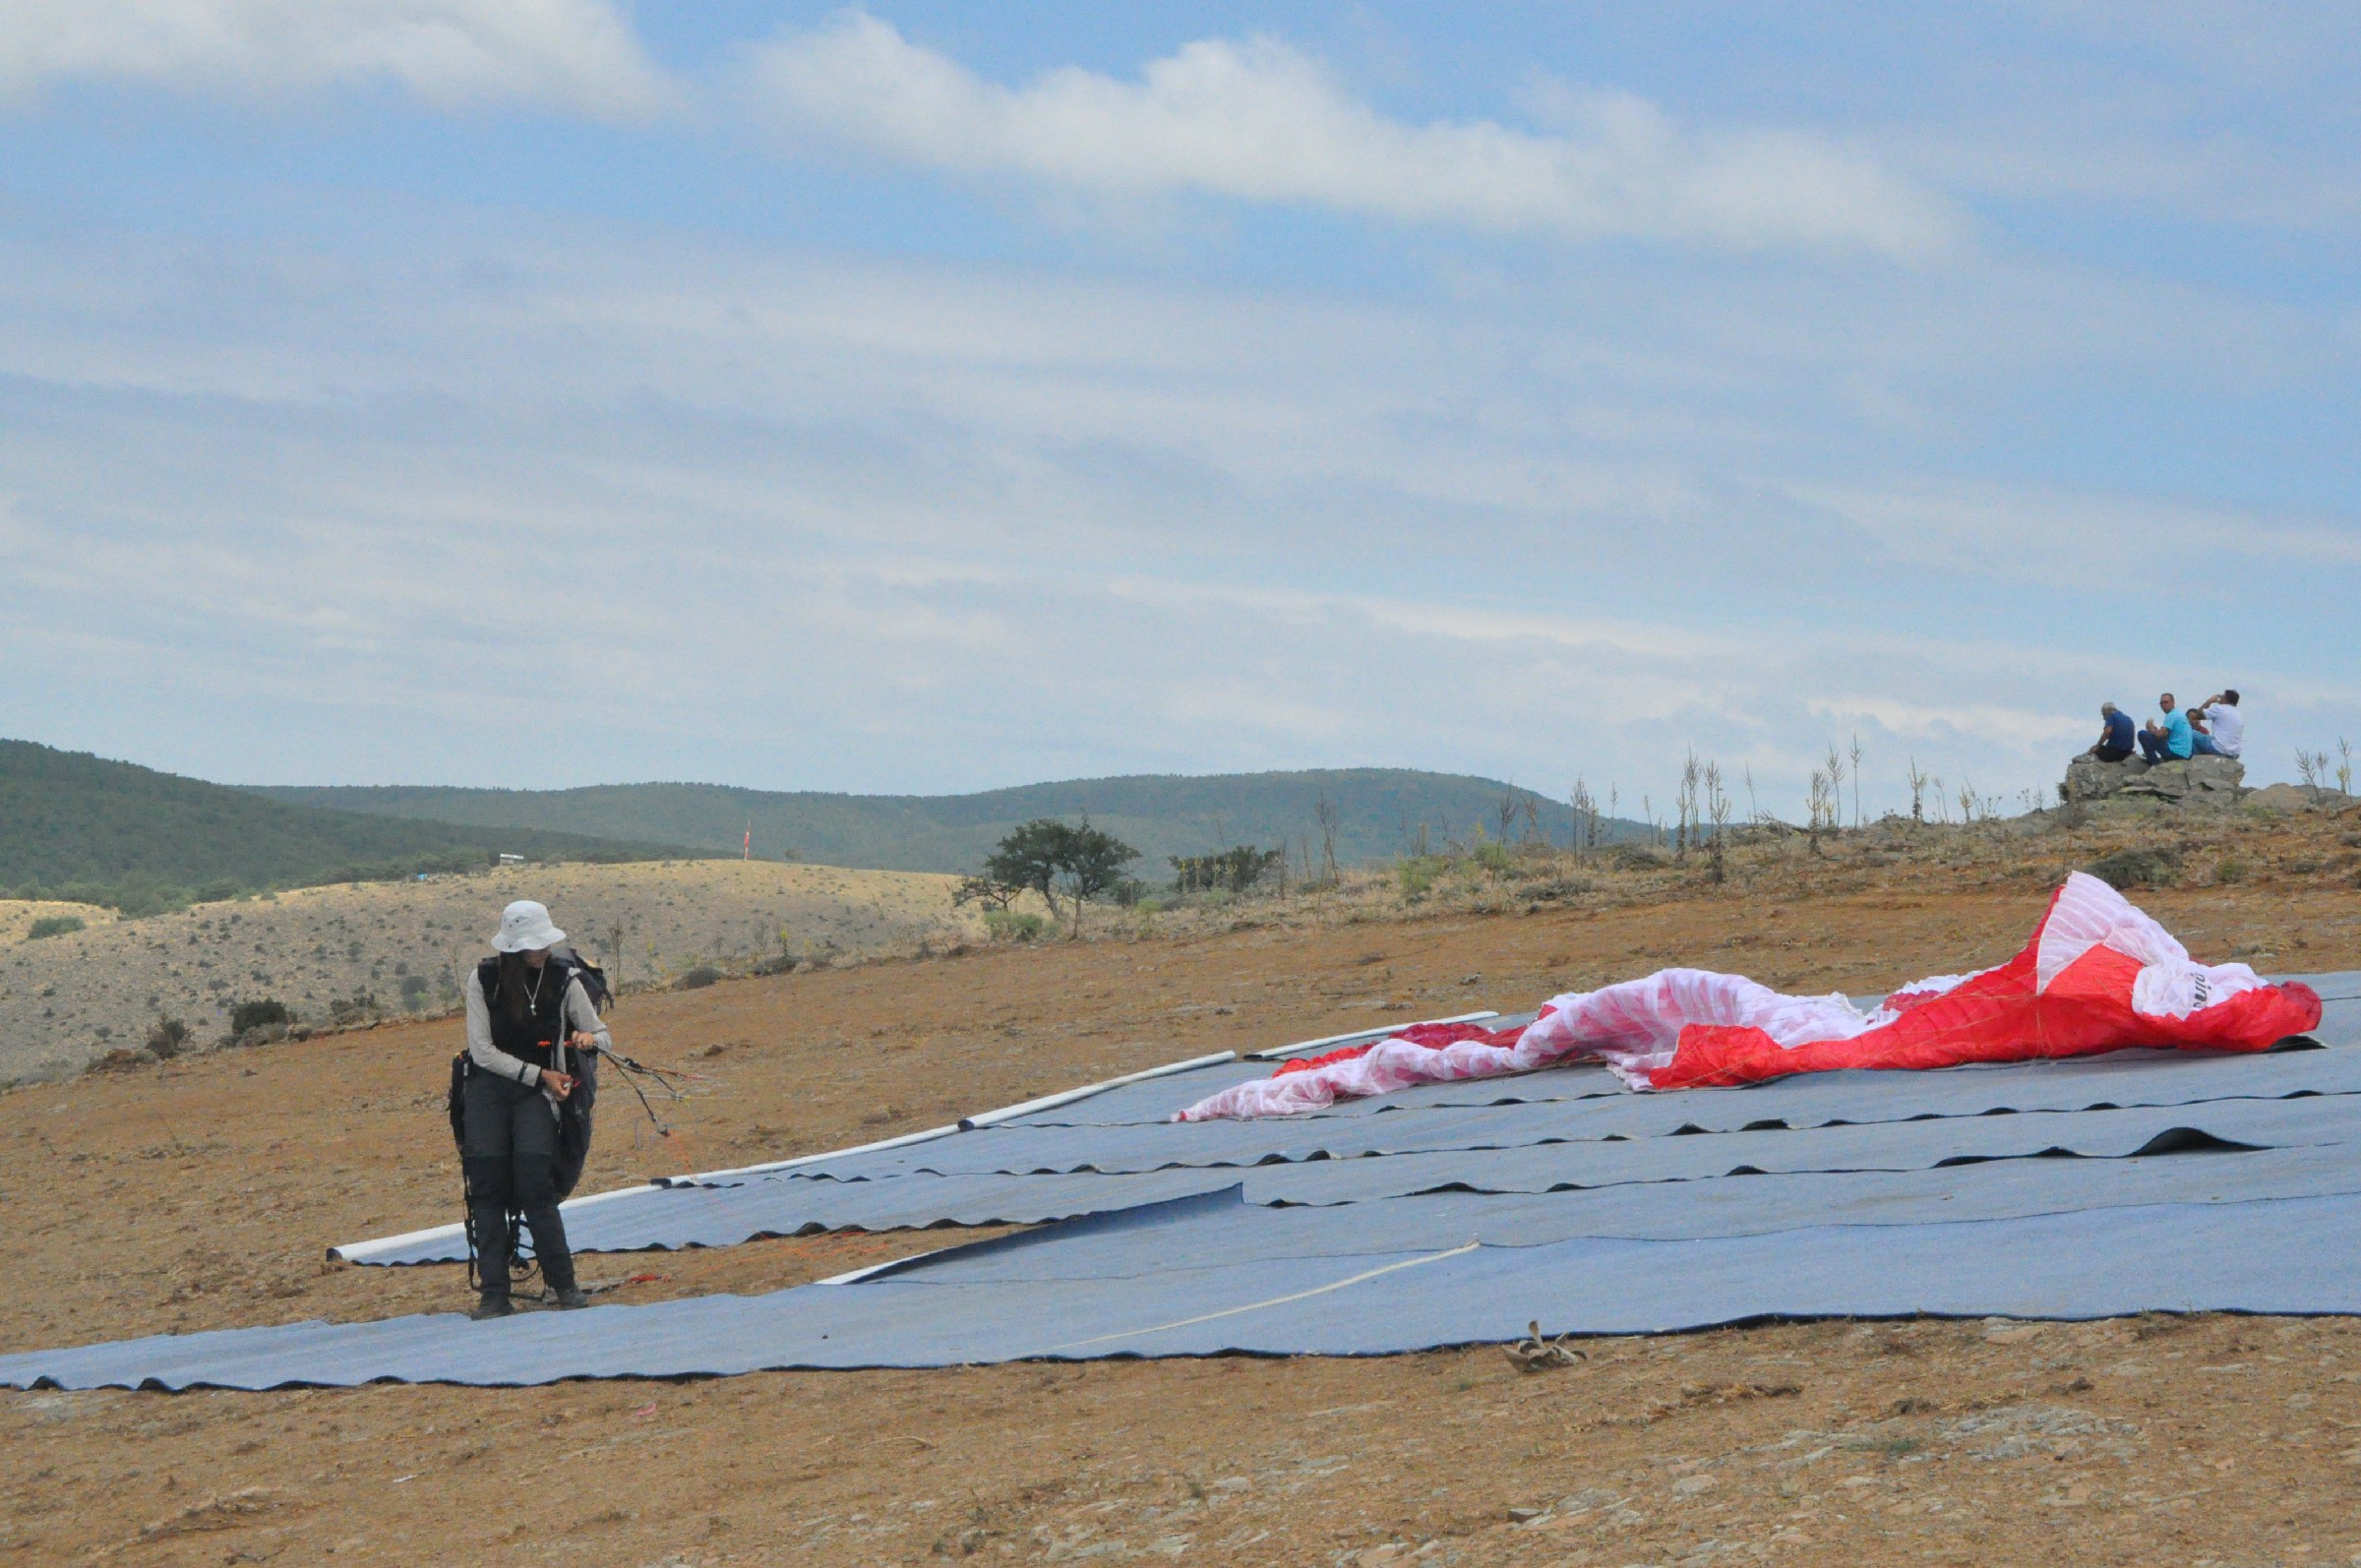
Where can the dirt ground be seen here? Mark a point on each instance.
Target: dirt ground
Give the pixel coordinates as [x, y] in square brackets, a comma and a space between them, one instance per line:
[200, 1193]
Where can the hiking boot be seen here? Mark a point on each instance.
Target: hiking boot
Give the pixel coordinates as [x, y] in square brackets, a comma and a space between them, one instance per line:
[567, 1297]
[491, 1305]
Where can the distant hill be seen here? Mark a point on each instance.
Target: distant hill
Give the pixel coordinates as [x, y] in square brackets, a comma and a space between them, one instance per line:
[1379, 811]
[80, 826]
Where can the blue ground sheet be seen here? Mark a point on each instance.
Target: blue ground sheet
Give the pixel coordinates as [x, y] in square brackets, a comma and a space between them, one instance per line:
[1455, 1214]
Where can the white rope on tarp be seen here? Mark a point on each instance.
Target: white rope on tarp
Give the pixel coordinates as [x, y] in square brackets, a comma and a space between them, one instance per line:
[377, 1246]
[363, 1252]
[1276, 1300]
[981, 1118]
[1067, 1097]
[708, 1178]
[1381, 1032]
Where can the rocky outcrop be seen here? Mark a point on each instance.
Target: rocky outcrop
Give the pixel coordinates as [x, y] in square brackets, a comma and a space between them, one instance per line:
[2197, 781]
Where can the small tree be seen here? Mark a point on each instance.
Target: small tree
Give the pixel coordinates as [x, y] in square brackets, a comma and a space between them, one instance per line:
[167, 1038]
[1717, 807]
[1586, 818]
[1030, 857]
[1050, 859]
[2313, 768]
[1091, 864]
[988, 890]
[264, 1012]
[1685, 807]
[1819, 807]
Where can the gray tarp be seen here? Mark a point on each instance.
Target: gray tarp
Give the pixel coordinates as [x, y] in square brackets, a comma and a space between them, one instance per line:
[1209, 1274]
[1501, 1132]
[1456, 1214]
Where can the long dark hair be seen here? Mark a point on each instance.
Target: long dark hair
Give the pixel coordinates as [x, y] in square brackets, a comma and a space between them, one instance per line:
[516, 987]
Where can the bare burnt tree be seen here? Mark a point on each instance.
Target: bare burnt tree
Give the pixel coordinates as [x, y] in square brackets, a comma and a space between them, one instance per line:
[1717, 807]
[1325, 814]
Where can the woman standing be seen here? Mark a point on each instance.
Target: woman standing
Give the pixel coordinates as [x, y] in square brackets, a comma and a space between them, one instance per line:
[531, 1034]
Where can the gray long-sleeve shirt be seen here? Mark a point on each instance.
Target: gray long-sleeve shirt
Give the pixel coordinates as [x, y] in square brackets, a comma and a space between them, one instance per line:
[580, 1018]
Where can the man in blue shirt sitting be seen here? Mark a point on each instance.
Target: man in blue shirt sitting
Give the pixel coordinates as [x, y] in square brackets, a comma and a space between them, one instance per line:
[2114, 737]
[2171, 740]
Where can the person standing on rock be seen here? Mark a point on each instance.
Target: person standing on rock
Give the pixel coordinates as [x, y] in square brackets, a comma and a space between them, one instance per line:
[2115, 735]
[2224, 732]
[532, 1034]
[2171, 740]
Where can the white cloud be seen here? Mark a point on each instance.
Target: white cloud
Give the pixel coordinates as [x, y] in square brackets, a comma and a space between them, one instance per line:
[1260, 122]
[579, 54]
[855, 524]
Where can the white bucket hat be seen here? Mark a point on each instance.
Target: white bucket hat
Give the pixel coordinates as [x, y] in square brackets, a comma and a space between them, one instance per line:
[524, 926]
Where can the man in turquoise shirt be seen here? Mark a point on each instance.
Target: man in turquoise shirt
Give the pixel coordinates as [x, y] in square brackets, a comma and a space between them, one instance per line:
[2170, 740]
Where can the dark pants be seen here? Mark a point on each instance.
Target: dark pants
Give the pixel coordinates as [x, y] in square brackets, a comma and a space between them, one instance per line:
[2152, 747]
[2110, 753]
[511, 1143]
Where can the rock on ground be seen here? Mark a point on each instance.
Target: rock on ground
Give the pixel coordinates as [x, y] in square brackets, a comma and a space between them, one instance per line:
[2208, 779]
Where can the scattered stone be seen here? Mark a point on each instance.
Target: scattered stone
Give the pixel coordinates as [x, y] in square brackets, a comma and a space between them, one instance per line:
[2126, 869]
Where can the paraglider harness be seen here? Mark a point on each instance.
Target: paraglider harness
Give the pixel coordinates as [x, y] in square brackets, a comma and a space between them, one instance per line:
[574, 1112]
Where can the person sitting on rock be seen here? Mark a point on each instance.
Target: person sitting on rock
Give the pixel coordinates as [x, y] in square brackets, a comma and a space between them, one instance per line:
[2171, 740]
[2115, 734]
[2224, 727]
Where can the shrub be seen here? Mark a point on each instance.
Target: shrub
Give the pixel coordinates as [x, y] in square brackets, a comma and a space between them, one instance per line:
[1009, 925]
[53, 925]
[1234, 869]
[352, 1009]
[697, 979]
[167, 1037]
[413, 992]
[264, 1012]
[2136, 867]
[1416, 874]
[1491, 856]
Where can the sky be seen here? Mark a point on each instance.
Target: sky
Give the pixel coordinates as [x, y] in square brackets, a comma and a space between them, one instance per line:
[929, 397]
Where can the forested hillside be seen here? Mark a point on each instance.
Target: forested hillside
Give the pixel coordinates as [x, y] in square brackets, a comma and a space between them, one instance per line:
[80, 826]
[1378, 813]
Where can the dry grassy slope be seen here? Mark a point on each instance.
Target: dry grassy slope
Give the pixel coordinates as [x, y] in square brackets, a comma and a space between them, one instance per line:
[66, 1000]
[17, 915]
[199, 1195]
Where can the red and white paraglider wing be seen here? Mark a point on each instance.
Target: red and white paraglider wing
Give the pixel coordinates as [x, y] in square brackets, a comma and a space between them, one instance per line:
[2097, 975]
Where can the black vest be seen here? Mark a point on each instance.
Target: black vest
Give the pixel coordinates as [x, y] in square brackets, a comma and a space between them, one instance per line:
[529, 1037]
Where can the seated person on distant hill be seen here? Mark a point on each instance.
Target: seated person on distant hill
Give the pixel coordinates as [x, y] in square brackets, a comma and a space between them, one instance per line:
[2171, 740]
[2115, 734]
[2225, 731]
